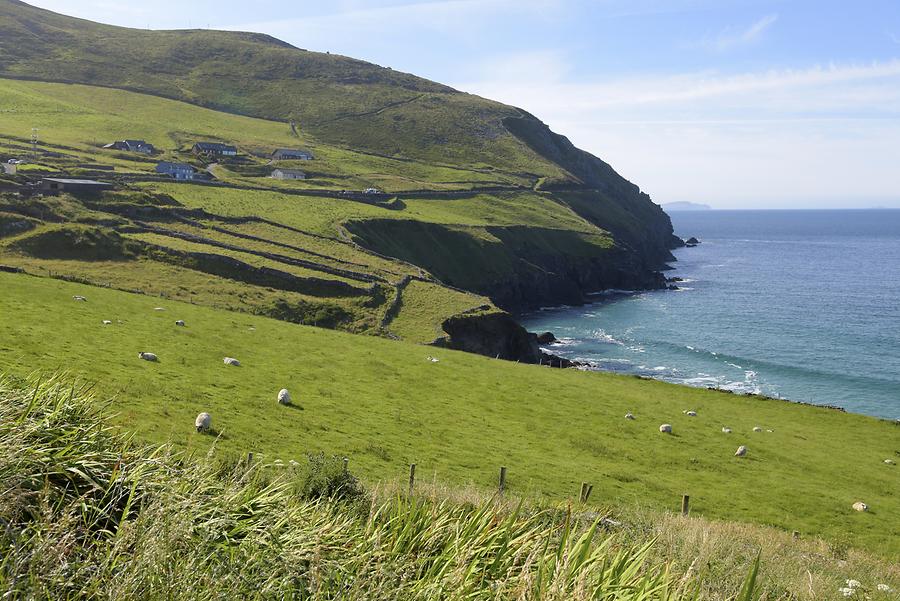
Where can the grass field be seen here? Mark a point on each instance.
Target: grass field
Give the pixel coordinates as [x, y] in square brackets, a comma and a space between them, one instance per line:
[511, 235]
[384, 405]
[233, 530]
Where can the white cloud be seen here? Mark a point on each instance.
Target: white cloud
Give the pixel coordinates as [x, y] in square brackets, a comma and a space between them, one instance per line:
[824, 132]
[730, 38]
[547, 66]
[457, 17]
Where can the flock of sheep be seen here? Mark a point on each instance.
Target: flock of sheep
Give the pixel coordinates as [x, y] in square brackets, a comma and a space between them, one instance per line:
[667, 429]
[203, 422]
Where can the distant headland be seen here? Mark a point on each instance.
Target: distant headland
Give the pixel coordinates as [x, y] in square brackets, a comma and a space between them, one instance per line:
[685, 206]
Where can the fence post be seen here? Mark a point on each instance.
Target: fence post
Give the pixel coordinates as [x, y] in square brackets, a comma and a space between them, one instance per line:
[685, 504]
[587, 493]
[583, 491]
[412, 477]
[346, 461]
[249, 459]
[502, 479]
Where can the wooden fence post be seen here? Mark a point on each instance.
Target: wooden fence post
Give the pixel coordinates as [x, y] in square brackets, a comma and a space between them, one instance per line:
[249, 458]
[583, 491]
[587, 493]
[685, 504]
[346, 461]
[412, 477]
[502, 479]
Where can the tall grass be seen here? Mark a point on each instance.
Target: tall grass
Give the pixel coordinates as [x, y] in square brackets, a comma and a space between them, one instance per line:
[86, 513]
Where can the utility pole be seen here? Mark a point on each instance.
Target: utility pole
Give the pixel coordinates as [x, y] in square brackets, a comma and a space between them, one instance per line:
[34, 142]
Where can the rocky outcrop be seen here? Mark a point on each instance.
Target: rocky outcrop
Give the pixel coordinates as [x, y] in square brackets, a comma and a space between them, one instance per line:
[546, 338]
[493, 334]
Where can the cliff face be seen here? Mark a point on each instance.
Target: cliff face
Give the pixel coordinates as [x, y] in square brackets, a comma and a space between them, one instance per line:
[600, 195]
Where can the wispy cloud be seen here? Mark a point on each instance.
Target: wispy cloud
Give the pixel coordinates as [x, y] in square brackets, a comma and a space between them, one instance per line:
[709, 136]
[356, 18]
[730, 38]
[812, 87]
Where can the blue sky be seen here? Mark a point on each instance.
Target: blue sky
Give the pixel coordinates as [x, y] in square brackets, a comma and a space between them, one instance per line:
[735, 103]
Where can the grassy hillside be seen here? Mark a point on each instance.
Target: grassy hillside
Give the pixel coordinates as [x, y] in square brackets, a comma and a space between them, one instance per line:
[531, 246]
[384, 405]
[340, 102]
[89, 514]
[338, 99]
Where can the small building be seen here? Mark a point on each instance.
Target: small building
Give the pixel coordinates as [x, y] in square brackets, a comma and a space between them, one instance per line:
[179, 171]
[55, 185]
[132, 146]
[290, 154]
[288, 174]
[214, 149]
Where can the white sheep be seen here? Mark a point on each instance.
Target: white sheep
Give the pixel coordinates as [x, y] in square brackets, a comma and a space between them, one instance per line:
[107, 322]
[629, 415]
[860, 506]
[757, 429]
[726, 430]
[889, 461]
[148, 357]
[691, 413]
[741, 451]
[231, 361]
[284, 397]
[203, 422]
[666, 428]
[158, 309]
[180, 323]
[80, 299]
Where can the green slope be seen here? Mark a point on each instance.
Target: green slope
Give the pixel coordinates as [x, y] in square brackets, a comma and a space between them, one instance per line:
[384, 405]
[338, 101]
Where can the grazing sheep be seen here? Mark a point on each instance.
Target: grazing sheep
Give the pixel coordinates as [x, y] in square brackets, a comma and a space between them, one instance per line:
[860, 506]
[757, 429]
[629, 415]
[107, 322]
[203, 422]
[726, 430]
[666, 428]
[889, 461]
[180, 323]
[158, 309]
[741, 451]
[148, 357]
[284, 397]
[691, 413]
[230, 361]
[80, 299]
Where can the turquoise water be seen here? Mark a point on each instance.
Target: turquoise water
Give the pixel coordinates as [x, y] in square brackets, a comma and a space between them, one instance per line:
[802, 305]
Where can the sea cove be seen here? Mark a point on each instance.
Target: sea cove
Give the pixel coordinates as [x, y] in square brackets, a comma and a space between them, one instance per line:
[793, 304]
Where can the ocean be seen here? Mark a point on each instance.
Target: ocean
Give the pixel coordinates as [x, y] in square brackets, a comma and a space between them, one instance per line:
[801, 305]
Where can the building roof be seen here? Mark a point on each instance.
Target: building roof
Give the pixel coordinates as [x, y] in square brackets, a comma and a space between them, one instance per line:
[130, 144]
